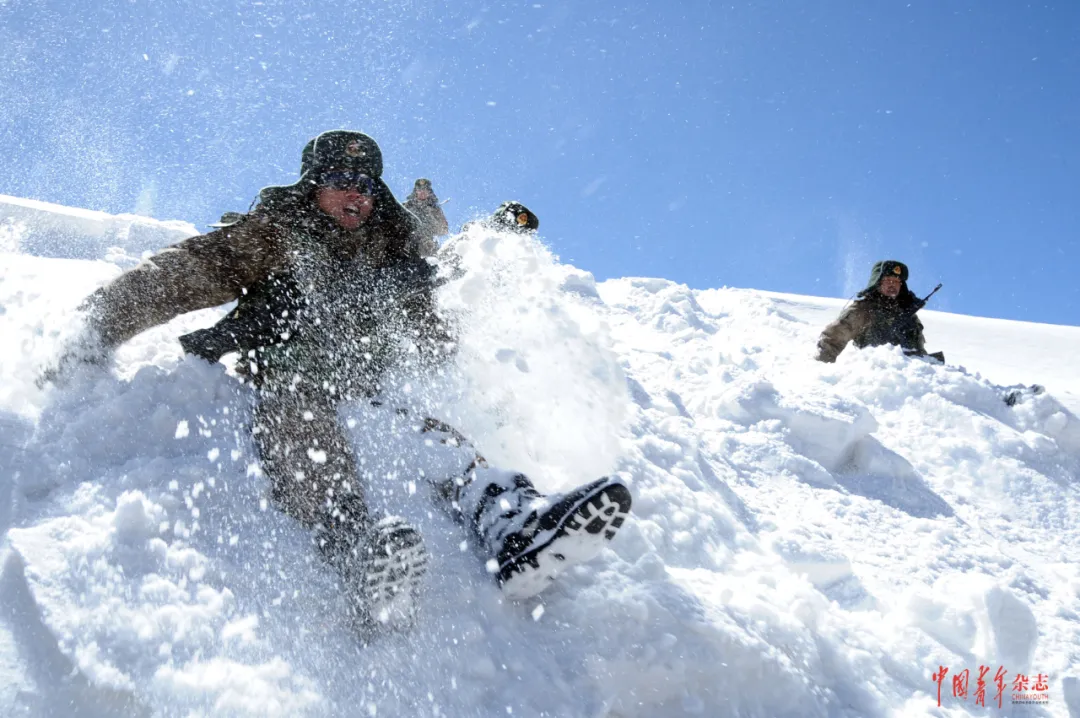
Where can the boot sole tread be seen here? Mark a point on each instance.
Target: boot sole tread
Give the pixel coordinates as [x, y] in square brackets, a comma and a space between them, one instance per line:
[581, 533]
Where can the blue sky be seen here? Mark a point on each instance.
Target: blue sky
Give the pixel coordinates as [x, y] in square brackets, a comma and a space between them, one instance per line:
[773, 145]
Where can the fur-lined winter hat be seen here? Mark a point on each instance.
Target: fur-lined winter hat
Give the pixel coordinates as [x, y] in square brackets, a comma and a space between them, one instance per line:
[341, 150]
[886, 268]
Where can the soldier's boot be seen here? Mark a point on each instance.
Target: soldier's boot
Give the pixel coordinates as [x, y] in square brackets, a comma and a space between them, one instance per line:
[382, 565]
[532, 537]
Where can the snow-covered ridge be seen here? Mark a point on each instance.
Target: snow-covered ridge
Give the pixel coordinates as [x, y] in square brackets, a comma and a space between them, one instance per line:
[807, 539]
[51, 230]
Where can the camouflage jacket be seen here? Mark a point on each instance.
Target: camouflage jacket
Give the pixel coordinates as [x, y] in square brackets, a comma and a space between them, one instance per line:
[310, 295]
[873, 320]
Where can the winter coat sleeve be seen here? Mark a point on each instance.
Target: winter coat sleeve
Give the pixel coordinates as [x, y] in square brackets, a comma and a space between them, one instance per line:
[852, 321]
[200, 272]
[920, 340]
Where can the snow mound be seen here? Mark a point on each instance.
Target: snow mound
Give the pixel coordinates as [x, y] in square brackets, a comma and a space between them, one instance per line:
[807, 539]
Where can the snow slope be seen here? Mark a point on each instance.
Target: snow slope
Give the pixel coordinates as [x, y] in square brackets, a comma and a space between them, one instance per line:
[807, 540]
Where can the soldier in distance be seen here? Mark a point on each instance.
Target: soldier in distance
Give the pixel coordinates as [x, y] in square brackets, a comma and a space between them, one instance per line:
[882, 313]
[423, 203]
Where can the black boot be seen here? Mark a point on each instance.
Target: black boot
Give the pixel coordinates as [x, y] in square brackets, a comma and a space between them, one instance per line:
[382, 565]
[535, 537]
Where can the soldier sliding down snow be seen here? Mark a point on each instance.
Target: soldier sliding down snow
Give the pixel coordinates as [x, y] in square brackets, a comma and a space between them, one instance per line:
[332, 292]
[883, 313]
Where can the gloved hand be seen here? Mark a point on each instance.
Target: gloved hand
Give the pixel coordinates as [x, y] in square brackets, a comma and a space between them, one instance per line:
[84, 350]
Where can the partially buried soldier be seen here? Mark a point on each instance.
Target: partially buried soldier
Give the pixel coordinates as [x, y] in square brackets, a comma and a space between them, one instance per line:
[514, 217]
[511, 217]
[883, 313]
[333, 294]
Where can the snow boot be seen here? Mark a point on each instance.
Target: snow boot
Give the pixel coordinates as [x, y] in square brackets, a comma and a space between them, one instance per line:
[395, 568]
[1014, 396]
[535, 537]
[382, 565]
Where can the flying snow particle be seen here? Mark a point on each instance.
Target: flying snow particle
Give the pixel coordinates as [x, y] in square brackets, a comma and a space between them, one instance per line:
[492, 566]
[491, 103]
[538, 612]
[213, 454]
[182, 430]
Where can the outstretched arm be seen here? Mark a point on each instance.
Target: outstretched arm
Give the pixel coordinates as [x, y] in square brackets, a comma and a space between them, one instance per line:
[200, 272]
[851, 322]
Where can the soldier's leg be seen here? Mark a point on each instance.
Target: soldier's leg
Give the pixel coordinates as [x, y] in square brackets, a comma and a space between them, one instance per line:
[307, 456]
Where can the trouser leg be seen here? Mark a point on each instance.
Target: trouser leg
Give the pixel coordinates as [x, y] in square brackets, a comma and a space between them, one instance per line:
[309, 460]
[491, 502]
[307, 457]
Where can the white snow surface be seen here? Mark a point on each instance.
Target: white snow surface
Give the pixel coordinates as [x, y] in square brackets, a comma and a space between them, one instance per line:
[806, 540]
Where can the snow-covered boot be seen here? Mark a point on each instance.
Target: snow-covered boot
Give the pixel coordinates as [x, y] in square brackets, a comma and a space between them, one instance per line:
[533, 537]
[394, 572]
[382, 565]
[1016, 394]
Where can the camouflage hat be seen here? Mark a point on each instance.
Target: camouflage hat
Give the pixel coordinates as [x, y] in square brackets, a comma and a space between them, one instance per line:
[887, 268]
[516, 217]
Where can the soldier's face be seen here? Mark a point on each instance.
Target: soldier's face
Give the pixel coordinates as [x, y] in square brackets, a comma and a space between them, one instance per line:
[890, 287]
[349, 207]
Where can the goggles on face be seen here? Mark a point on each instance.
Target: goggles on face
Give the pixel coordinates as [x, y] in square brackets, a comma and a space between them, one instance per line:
[344, 179]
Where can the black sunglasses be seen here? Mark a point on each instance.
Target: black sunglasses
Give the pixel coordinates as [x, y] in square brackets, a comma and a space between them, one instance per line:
[344, 179]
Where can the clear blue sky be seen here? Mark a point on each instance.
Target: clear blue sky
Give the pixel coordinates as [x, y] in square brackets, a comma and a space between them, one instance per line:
[774, 145]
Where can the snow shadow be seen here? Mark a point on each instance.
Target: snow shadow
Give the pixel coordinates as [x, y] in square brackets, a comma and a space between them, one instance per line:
[62, 690]
[836, 435]
[15, 433]
[875, 472]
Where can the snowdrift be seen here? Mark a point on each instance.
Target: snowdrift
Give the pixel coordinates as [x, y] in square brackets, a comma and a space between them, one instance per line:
[807, 539]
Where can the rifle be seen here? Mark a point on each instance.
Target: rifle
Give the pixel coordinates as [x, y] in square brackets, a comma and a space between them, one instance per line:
[920, 303]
